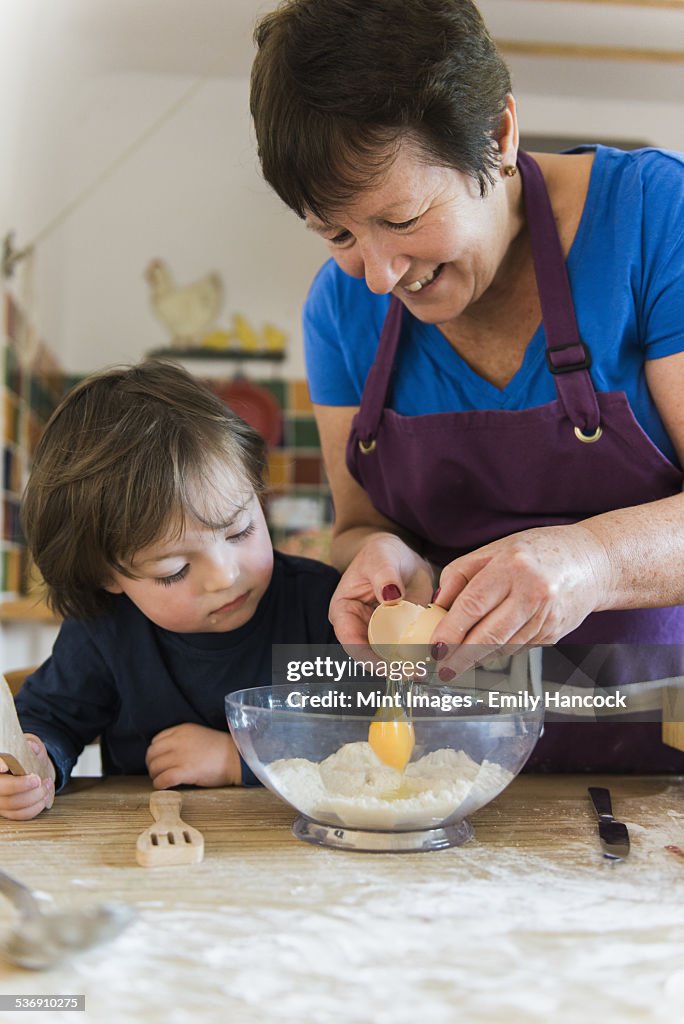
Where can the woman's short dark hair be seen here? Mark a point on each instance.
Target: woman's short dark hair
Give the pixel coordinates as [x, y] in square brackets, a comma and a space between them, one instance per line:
[125, 457]
[338, 84]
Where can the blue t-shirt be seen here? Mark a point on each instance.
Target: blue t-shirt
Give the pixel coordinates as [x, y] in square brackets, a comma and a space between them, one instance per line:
[121, 677]
[626, 269]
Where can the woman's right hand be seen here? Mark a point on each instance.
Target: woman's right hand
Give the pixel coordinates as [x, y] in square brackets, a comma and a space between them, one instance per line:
[385, 570]
[24, 796]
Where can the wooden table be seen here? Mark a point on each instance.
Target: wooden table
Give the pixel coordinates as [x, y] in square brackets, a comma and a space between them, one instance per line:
[525, 923]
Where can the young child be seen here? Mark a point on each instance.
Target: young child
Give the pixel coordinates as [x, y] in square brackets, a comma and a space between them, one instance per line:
[143, 514]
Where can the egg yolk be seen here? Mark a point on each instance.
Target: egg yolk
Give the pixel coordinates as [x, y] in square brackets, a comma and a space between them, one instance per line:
[392, 738]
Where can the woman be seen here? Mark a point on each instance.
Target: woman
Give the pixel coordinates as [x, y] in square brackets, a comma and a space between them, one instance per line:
[496, 344]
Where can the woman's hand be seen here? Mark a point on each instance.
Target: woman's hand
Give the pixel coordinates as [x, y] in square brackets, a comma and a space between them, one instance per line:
[24, 796]
[386, 570]
[193, 755]
[533, 587]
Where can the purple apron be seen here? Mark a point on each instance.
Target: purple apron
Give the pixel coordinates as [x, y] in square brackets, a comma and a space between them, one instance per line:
[460, 480]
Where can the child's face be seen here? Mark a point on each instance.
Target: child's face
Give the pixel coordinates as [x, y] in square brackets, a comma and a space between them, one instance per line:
[205, 581]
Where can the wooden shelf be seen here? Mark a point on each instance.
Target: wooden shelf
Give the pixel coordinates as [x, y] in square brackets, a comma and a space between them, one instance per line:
[586, 51]
[27, 609]
[236, 355]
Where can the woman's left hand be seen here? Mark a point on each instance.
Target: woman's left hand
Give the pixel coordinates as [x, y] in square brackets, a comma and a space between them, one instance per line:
[533, 587]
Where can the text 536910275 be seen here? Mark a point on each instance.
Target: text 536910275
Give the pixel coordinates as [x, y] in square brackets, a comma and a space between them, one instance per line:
[51, 1002]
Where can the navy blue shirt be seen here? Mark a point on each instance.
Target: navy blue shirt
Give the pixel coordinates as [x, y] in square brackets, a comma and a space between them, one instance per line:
[123, 678]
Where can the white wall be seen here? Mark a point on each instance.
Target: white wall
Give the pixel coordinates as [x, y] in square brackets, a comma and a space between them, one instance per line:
[191, 194]
[25, 644]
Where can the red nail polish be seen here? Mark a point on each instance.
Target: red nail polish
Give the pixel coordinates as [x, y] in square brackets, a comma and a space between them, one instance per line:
[436, 595]
[446, 674]
[391, 592]
[439, 650]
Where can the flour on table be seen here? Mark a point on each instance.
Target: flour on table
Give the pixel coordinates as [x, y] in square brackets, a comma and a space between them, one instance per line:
[354, 788]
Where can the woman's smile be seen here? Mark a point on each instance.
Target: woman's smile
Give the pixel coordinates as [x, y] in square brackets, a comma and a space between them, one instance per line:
[423, 282]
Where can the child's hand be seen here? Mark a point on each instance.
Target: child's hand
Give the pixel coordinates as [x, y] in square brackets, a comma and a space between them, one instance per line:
[194, 755]
[24, 796]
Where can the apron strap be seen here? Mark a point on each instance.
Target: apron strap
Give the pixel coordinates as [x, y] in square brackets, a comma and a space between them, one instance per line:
[376, 388]
[567, 356]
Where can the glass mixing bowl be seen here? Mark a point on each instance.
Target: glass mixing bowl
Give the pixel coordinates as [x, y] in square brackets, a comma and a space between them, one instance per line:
[308, 743]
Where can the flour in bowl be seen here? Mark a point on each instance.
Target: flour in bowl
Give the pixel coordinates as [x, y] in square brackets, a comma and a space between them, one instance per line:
[354, 788]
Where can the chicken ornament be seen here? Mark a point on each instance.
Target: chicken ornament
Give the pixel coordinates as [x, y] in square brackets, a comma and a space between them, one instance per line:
[187, 311]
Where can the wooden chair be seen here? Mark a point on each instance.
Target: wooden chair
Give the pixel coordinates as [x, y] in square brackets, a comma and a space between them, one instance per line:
[16, 678]
[673, 717]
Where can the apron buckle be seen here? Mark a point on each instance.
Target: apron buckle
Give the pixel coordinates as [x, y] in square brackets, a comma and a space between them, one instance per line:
[580, 364]
[367, 446]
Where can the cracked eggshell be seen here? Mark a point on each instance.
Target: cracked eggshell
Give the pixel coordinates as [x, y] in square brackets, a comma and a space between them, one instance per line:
[402, 631]
[388, 622]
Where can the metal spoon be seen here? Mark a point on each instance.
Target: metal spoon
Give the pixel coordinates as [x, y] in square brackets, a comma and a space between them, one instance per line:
[40, 940]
